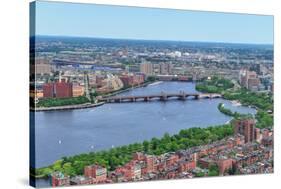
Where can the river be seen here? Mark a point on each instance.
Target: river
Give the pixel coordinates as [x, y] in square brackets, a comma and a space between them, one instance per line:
[66, 133]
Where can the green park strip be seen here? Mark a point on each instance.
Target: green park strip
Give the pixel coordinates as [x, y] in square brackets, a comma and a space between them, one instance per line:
[52, 102]
[261, 101]
[222, 86]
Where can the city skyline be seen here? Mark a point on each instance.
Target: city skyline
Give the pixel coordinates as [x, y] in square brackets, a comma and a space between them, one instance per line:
[108, 21]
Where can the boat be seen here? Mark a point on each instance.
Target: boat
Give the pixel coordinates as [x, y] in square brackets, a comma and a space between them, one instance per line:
[155, 83]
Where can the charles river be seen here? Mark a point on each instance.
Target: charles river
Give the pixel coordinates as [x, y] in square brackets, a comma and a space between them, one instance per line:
[67, 133]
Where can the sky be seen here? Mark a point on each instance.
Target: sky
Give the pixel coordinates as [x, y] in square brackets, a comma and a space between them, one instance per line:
[105, 21]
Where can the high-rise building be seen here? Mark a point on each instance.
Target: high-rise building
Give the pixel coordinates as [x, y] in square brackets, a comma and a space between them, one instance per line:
[253, 84]
[242, 77]
[146, 68]
[245, 127]
[249, 79]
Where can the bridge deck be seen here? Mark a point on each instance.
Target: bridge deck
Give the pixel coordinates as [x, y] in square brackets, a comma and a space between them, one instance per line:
[162, 96]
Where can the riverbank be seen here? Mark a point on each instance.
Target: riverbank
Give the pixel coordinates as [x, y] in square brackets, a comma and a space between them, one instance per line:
[68, 107]
[88, 104]
[185, 138]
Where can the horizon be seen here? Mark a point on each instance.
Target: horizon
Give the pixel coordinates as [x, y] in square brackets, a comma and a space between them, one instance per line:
[155, 40]
[125, 22]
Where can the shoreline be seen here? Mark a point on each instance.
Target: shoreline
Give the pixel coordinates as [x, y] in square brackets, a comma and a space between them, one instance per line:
[88, 105]
[67, 107]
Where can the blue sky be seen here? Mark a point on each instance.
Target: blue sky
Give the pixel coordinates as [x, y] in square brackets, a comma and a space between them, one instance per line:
[89, 20]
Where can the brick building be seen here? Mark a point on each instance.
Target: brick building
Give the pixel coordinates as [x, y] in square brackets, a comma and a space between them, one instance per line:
[58, 89]
[59, 179]
[224, 165]
[48, 90]
[96, 171]
[245, 127]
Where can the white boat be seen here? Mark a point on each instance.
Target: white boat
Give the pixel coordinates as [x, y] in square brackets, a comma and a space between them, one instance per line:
[156, 83]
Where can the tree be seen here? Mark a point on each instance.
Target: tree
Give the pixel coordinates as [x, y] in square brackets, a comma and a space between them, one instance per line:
[145, 146]
[57, 166]
[213, 170]
[68, 169]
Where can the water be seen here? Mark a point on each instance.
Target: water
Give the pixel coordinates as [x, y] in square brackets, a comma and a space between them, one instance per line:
[66, 133]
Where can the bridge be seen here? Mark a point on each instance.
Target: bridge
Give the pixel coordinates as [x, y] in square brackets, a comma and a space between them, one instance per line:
[162, 97]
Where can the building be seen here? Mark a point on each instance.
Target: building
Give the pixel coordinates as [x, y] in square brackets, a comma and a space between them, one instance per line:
[249, 79]
[99, 80]
[59, 179]
[39, 93]
[187, 165]
[258, 135]
[96, 171]
[166, 68]
[127, 80]
[133, 68]
[58, 89]
[245, 127]
[81, 180]
[63, 89]
[149, 161]
[48, 90]
[224, 164]
[253, 84]
[78, 90]
[138, 79]
[146, 68]
[42, 66]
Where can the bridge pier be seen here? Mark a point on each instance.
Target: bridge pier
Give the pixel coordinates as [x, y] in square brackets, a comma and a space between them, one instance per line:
[163, 98]
[182, 97]
[117, 100]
